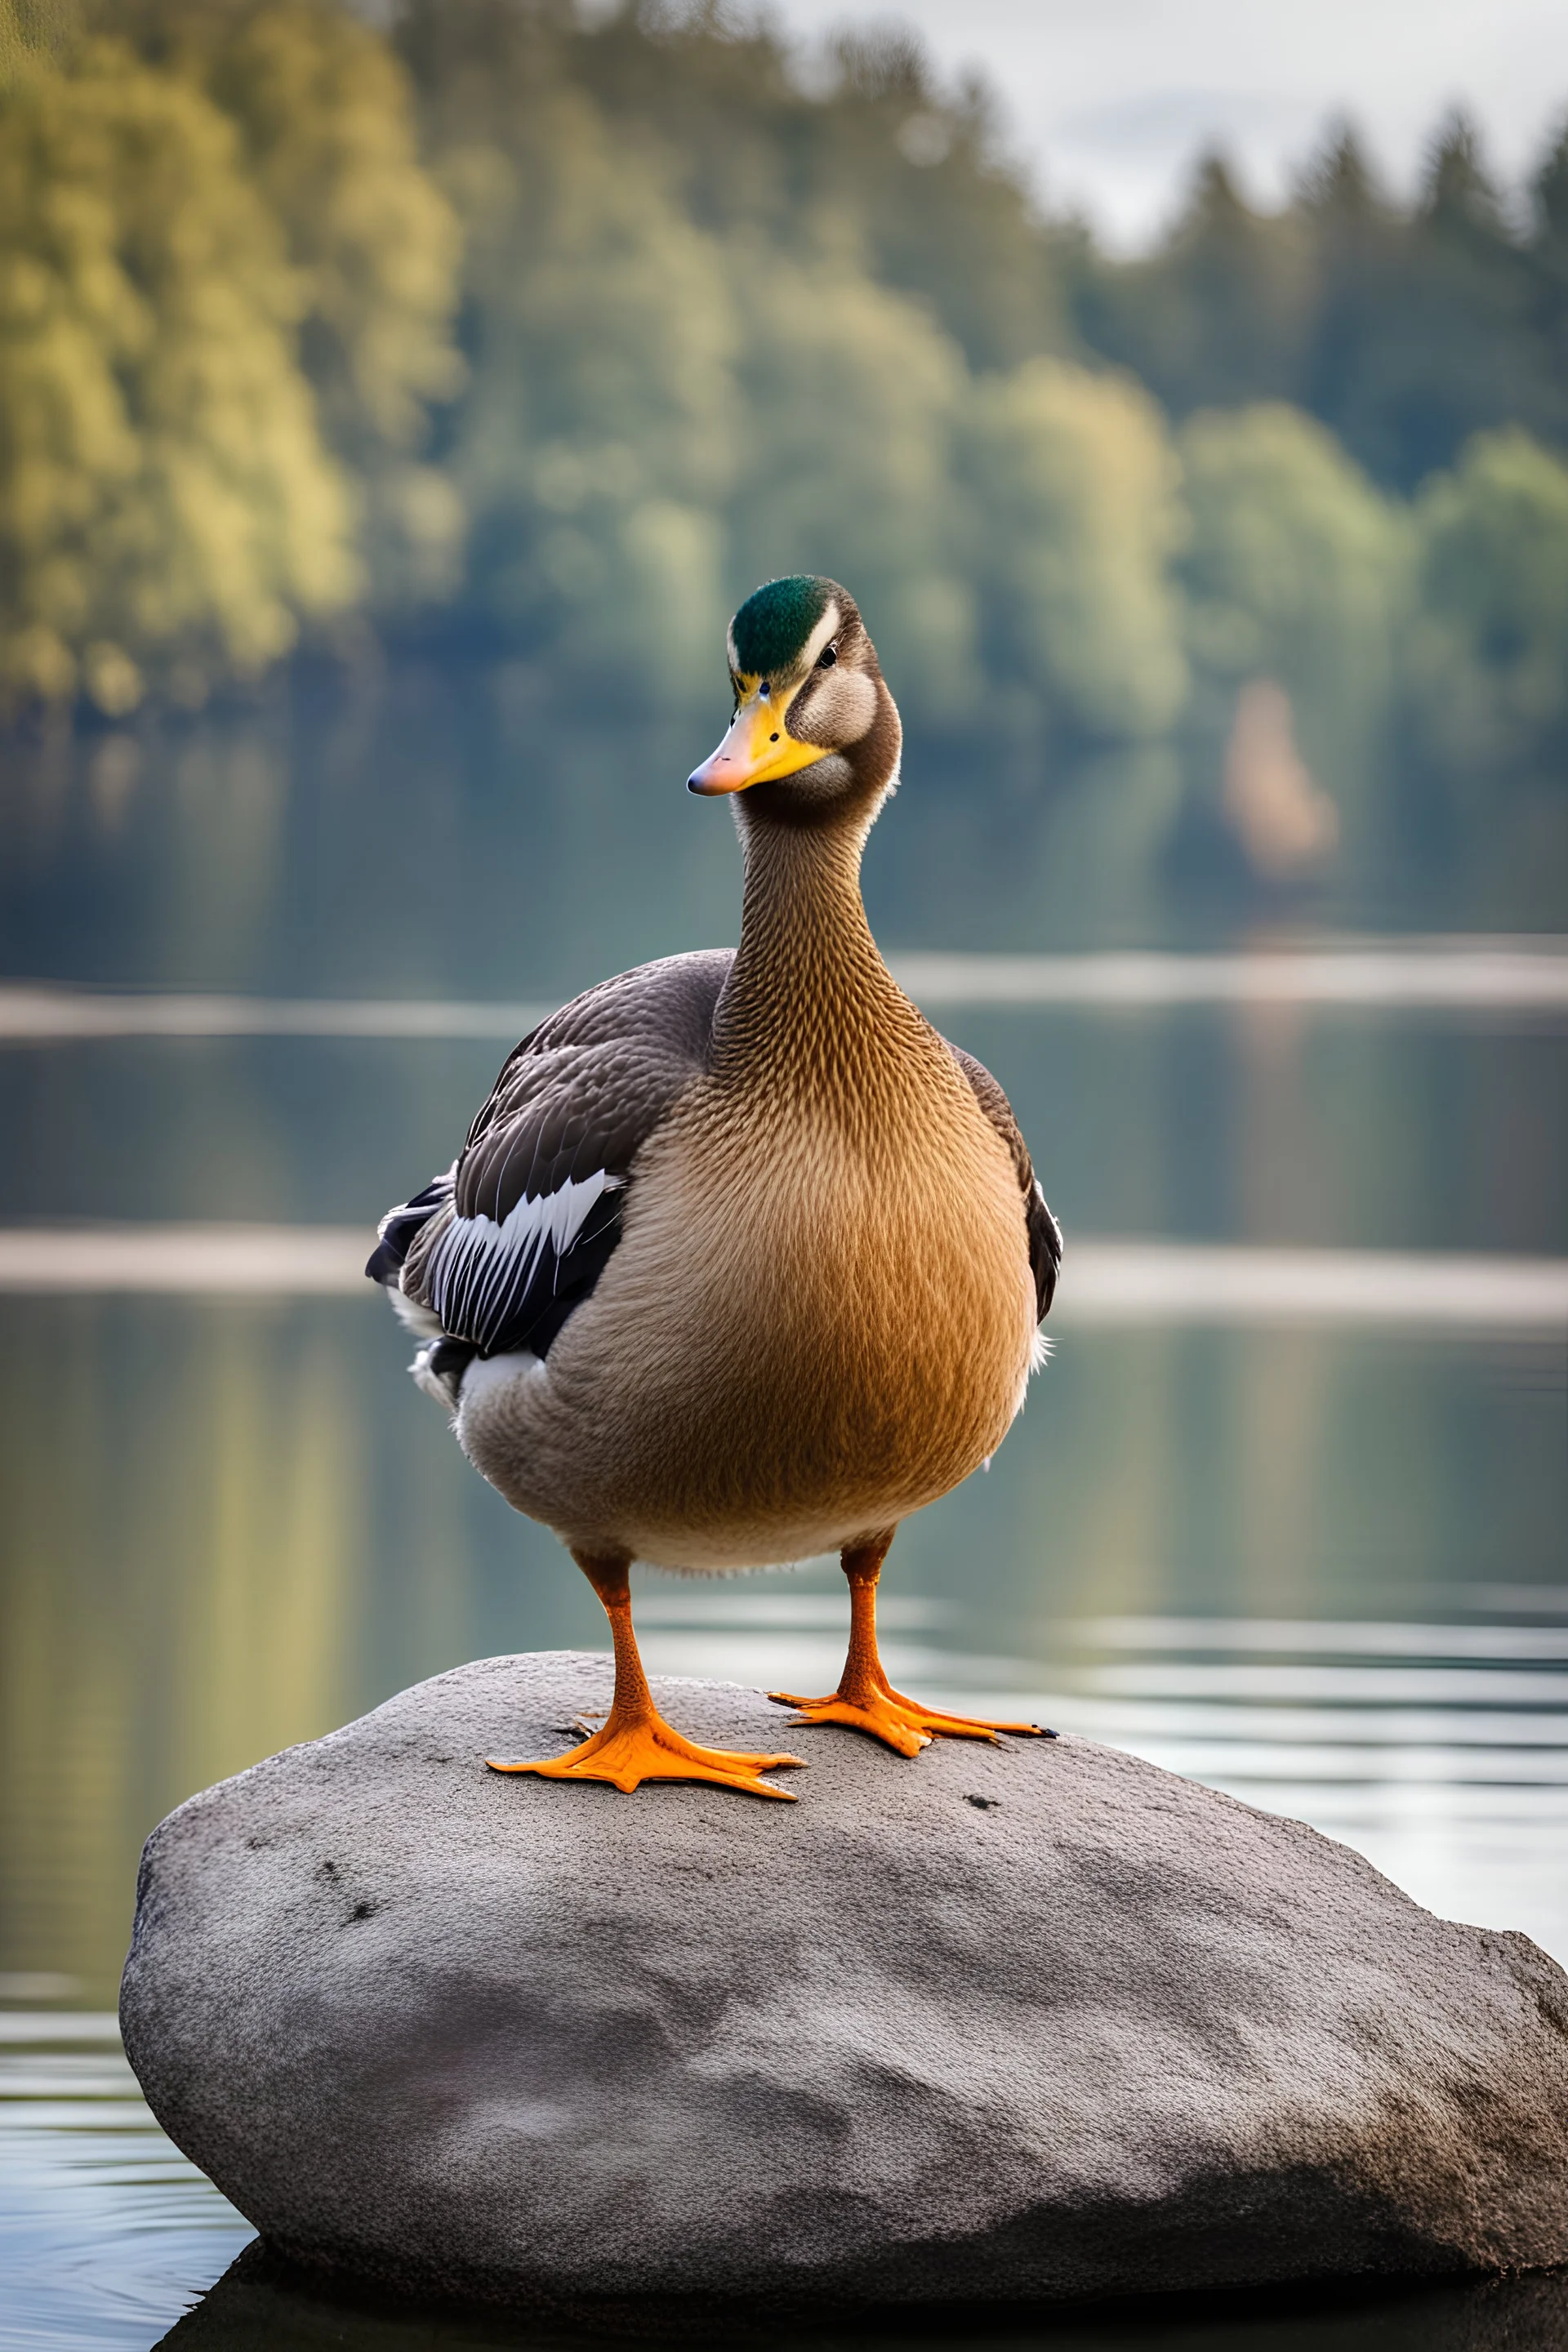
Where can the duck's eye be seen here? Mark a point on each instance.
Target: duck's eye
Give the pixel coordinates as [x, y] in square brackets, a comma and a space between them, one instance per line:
[827, 656]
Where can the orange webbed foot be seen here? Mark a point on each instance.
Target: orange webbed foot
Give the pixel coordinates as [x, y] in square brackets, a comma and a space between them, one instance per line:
[899, 1722]
[865, 1699]
[645, 1748]
[886, 1718]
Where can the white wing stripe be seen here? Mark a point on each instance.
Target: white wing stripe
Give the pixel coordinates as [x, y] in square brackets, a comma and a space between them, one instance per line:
[480, 1269]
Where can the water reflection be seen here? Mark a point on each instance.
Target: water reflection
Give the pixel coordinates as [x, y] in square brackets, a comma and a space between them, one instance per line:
[258, 2305]
[1321, 1567]
[106, 2233]
[463, 833]
[1403, 1133]
[467, 833]
[232, 1524]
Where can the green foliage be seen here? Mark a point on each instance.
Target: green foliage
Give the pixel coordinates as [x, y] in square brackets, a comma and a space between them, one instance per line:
[325, 115]
[1219, 313]
[879, 167]
[697, 363]
[1074, 511]
[850, 396]
[1549, 258]
[1489, 664]
[598, 437]
[1448, 344]
[166, 507]
[1487, 677]
[1405, 332]
[544, 341]
[1296, 571]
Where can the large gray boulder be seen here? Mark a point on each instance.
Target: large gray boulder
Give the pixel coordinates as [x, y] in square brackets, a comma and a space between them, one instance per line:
[1029, 2021]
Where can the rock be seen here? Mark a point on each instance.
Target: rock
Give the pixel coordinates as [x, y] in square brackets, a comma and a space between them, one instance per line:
[1029, 2021]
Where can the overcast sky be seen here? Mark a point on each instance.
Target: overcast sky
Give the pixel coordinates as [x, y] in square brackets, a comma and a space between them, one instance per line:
[1109, 100]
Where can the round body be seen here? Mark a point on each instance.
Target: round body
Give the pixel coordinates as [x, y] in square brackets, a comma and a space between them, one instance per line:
[820, 1316]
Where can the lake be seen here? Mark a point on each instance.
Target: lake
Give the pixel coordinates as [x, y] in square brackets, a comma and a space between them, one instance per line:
[1286, 1511]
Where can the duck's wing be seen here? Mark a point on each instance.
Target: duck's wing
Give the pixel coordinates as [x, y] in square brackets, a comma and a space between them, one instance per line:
[496, 1253]
[1045, 1234]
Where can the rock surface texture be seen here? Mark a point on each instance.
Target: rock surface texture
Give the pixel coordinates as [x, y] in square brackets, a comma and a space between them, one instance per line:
[1027, 2022]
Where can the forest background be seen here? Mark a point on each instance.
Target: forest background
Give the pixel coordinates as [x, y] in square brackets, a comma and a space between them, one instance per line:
[499, 341]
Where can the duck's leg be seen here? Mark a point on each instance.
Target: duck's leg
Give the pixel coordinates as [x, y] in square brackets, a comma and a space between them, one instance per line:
[866, 1699]
[635, 1743]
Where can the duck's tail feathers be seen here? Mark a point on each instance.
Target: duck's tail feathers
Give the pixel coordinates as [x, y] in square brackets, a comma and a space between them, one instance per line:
[439, 1366]
[401, 1228]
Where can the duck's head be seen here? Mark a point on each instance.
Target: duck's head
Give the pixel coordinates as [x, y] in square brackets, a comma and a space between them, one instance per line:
[815, 734]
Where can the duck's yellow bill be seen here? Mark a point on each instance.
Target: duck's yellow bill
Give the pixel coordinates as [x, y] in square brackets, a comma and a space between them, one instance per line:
[758, 749]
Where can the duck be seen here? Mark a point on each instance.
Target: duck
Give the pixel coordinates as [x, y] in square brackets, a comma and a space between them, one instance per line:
[741, 1261]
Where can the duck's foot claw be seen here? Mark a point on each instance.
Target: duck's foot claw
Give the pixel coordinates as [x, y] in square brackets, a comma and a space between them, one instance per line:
[974, 1726]
[899, 1722]
[627, 1754]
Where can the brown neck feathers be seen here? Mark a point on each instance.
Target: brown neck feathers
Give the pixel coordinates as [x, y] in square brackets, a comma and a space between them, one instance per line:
[809, 1001]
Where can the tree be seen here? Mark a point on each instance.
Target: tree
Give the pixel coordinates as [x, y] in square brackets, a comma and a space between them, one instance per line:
[1219, 315]
[878, 160]
[940, 214]
[1487, 679]
[1448, 348]
[1358, 244]
[1295, 573]
[597, 438]
[1073, 514]
[850, 397]
[1404, 330]
[324, 110]
[167, 511]
[1547, 263]
[1490, 662]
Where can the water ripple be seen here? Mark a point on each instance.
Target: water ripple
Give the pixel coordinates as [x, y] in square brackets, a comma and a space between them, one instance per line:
[107, 2232]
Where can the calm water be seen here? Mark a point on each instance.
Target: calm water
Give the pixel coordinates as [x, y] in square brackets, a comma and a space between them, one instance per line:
[1321, 1565]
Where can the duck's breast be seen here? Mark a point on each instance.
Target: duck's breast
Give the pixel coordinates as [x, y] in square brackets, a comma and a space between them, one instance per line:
[813, 1324]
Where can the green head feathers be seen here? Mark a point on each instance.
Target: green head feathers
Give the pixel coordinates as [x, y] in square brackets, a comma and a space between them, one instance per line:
[774, 623]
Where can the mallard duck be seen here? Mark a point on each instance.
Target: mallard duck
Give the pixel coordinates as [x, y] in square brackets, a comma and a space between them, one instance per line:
[741, 1261]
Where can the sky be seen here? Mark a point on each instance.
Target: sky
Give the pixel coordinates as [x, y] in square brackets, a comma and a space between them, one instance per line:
[1109, 100]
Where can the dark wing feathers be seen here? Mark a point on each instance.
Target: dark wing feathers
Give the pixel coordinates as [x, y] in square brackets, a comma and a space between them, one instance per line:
[502, 1248]
[1044, 1248]
[399, 1227]
[1045, 1234]
[562, 1114]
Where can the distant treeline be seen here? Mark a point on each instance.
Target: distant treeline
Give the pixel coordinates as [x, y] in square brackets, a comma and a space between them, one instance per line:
[502, 337]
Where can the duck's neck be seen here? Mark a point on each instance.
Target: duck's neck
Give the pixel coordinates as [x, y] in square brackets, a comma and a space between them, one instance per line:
[807, 985]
